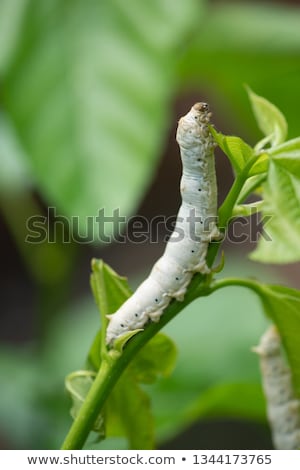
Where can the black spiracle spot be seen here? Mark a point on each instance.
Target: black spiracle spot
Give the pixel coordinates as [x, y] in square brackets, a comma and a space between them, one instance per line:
[177, 278]
[136, 314]
[121, 325]
[192, 251]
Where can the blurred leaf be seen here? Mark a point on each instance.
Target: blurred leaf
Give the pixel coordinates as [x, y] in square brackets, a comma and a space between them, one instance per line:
[280, 240]
[235, 148]
[15, 172]
[239, 400]
[19, 405]
[156, 358]
[89, 93]
[251, 27]
[282, 304]
[128, 412]
[12, 13]
[276, 27]
[78, 385]
[228, 51]
[269, 119]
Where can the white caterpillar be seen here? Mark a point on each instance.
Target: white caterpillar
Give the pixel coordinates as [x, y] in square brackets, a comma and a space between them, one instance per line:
[186, 249]
[283, 407]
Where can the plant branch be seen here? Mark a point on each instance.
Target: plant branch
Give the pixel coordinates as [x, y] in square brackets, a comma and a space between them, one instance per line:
[226, 209]
[236, 281]
[114, 363]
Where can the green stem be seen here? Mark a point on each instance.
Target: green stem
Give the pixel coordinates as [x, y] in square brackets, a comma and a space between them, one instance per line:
[226, 209]
[113, 366]
[94, 401]
[235, 281]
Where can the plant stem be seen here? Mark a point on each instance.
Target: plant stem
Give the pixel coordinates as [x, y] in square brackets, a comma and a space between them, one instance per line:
[236, 281]
[112, 366]
[225, 211]
[88, 412]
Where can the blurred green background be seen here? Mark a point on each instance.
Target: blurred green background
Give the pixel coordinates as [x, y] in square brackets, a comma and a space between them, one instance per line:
[91, 92]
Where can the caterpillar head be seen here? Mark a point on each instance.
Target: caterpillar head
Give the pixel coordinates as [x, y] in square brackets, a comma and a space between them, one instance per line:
[116, 328]
[194, 125]
[200, 112]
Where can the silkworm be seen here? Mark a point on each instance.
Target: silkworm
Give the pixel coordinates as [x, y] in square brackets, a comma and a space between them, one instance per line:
[283, 407]
[196, 226]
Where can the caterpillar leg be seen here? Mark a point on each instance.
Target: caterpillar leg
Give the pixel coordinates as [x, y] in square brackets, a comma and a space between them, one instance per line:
[216, 234]
[179, 295]
[155, 316]
[213, 235]
[202, 267]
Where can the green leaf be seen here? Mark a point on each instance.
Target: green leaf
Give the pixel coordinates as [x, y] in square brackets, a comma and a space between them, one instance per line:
[261, 165]
[252, 185]
[12, 13]
[282, 304]
[94, 357]
[128, 408]
[279, 243]
[109, 288]
[157, 358]
[110, 292]
[78, 385]
[235, 148]
[247, 209]
[270, 120]
[288, 156]
[89, 91]
[128, 412]
[120, 341]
